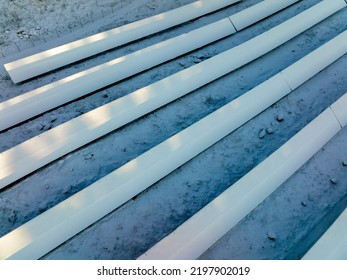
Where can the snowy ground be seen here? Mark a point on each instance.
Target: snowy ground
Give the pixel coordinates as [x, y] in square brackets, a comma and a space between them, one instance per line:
[297, 213]
[25, 21]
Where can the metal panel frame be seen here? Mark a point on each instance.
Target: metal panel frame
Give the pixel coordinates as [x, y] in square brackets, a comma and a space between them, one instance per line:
[58, 224]
[35, 153]
[35, 102]
[49, 60]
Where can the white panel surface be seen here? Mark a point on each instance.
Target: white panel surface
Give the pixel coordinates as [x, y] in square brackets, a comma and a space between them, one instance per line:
[84, 208]
[50, 96]
[45, 232]
[35, 153]
[258, 12]
[340, 109]
[37, 101]
[202, 230]
[49, 60]
[333, 244]
[316, 62]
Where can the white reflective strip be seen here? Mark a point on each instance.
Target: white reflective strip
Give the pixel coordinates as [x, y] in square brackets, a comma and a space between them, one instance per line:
[38, 151]
[333, 244]
[84, 208]
[340, 110]
[45, 232]
[258, 12]
[49, 60]
[203, 229]
[316, 62]
[37, 101]
[53, 227]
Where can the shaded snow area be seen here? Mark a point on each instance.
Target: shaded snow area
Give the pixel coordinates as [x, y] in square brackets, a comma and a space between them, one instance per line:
[284, 226]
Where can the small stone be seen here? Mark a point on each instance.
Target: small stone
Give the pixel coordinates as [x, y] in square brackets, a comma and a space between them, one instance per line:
[12, 219]
[7, 31]
[89, 156]
[261, 134]
[269, 130]
[333, 181]
[280, 118]
[197, 60]
[303, 203]
[271, 235]
[344, 163]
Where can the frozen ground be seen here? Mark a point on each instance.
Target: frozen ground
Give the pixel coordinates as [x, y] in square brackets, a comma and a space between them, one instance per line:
[297, 213]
